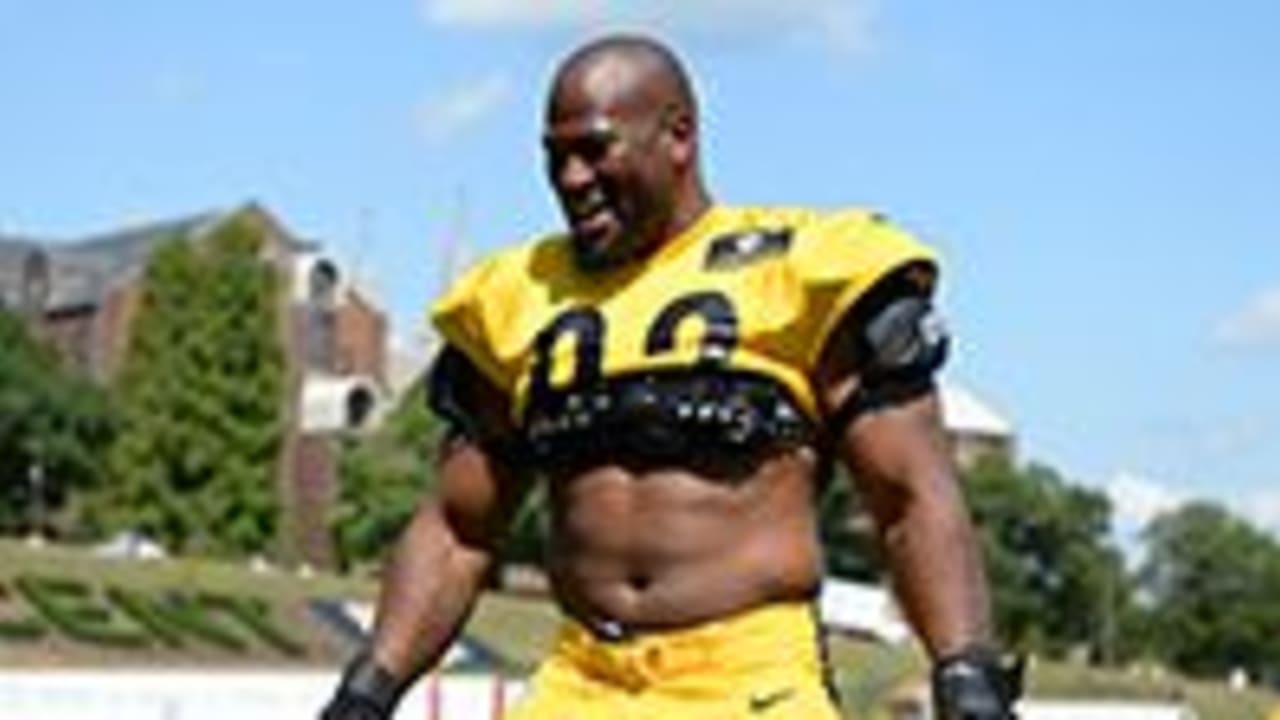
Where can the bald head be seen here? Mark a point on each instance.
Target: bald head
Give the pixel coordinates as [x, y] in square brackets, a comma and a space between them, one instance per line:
[621, 143]
[630, 72]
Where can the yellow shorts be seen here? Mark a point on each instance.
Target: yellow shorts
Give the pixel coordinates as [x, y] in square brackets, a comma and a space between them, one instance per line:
[762, 664]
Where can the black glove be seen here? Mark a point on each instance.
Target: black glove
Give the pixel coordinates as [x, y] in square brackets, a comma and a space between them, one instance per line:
[367, 692]
[976, 684]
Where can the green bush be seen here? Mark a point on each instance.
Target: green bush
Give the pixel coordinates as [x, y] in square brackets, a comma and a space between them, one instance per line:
[71, 607]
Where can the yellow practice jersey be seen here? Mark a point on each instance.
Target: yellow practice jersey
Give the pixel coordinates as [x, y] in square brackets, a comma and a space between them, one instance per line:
[756, 290]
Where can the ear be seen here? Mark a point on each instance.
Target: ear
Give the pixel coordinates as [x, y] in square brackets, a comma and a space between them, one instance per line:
[682, 135]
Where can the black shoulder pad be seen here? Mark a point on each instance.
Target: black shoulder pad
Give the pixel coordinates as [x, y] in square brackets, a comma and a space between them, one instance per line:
[453, 386]
[901, 341]
[907, 338]
[448, 388]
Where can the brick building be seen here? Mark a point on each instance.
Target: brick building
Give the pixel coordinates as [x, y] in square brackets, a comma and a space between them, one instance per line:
[82, 294]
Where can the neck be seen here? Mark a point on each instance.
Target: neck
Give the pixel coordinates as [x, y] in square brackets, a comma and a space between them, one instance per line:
[688, 212]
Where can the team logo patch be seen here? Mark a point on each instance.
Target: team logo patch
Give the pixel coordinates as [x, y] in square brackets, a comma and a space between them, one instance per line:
[735, 250]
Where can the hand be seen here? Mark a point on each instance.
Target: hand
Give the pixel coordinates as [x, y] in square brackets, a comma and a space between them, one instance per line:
[367, 692]
[976, 684]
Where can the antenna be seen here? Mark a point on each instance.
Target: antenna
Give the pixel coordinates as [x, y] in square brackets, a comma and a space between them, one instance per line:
[364, 239]
[453, 245]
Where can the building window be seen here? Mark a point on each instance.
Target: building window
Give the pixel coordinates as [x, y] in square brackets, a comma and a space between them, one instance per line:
[35, 283]
[321, 314]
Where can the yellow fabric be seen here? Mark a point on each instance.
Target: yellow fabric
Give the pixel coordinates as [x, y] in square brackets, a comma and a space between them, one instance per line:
[785, 303]
[763, 664]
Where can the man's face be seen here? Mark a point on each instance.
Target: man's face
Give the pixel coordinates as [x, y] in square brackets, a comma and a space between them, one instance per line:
[612, 174]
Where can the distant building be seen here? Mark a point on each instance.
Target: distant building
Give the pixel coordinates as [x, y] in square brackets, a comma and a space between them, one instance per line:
[974, 430]
[82, 295]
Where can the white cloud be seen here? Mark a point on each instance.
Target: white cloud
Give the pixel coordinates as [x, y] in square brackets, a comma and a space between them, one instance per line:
[842, 24]
[1257, 324]
[440, 119]
[1136, 500]
[1263, 509]
[512, 13]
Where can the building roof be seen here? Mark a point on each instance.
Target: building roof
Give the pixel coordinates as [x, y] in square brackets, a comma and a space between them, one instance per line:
[14, 252]
[83, 270]
[964, 412]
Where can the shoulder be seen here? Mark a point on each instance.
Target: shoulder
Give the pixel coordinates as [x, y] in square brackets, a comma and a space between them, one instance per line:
[478, 313]
[507, 270]
[813, 230]
[843, 259]
[859, 241]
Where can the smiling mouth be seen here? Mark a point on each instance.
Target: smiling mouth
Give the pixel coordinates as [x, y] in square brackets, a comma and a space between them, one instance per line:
[590, 218]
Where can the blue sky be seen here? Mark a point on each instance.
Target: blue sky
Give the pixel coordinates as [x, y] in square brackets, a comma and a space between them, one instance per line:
[1102, 177]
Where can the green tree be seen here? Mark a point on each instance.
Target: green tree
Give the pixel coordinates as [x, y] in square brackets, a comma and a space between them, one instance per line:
[156, 460]
[383, 474]
[849, 540]
[51, 418]
[1057, 581]
[200, 393]
[242, 389]
[1213, 582]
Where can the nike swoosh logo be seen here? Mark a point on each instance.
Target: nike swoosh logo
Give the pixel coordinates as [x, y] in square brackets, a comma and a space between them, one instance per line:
[763, 703]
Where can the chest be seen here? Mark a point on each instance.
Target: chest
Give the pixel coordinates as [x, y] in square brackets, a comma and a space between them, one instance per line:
[677, 317]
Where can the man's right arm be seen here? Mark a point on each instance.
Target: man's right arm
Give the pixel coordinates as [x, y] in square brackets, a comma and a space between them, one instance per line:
[440, 562]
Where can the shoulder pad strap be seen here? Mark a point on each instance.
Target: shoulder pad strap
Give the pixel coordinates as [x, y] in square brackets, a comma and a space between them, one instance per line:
[901, 343]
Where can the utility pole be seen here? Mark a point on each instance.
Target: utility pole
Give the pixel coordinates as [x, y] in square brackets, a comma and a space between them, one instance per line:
[453, 246]
[36, 485]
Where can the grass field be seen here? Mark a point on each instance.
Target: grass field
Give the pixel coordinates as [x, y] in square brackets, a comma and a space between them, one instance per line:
[520, 628]
[285, 595]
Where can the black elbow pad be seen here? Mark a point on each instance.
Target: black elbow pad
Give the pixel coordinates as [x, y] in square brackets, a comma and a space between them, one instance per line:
[452, 387]
[905, 341]
[448, 392]
[902, 346]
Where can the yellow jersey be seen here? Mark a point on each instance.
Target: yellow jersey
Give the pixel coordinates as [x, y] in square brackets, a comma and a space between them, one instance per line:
[751, 289]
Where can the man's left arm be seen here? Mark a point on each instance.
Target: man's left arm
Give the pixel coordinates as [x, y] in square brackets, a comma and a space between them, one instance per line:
[876, 383]
[897, 456]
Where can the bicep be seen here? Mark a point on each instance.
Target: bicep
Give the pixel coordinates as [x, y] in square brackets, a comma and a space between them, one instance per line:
[897, 442]
[478, 464]
[875, 382]
[477, 493]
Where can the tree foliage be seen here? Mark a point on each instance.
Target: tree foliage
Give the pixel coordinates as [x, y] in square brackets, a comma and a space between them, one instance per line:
[849, 541]
[1213, 584]
[201, 395]
[382, 476]
[1057, 581]
[51, 418]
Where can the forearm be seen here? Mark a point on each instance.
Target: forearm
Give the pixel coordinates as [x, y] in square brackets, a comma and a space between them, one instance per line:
[938, 575]
[428, 589]
[937, 572]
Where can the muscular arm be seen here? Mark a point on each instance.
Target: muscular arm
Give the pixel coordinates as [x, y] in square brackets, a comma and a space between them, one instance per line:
[875, 382]
[883, 356]
[898, 457]
[437, 570]
[440, 562]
